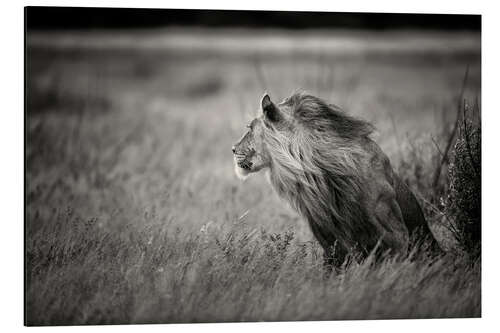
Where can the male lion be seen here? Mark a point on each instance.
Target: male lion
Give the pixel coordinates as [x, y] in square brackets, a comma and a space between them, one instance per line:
[324, 164]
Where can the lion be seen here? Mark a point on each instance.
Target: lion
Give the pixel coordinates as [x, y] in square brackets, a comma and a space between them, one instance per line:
[324, 163]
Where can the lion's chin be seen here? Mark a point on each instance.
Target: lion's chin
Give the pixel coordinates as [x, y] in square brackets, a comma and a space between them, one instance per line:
[240, 172]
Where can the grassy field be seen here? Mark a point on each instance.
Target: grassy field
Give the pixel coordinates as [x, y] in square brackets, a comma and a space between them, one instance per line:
[133, 211]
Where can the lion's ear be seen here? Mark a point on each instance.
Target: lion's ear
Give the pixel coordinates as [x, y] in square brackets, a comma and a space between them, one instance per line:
[270, 110]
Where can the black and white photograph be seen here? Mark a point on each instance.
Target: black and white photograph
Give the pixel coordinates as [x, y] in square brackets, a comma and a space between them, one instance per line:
[212, 166]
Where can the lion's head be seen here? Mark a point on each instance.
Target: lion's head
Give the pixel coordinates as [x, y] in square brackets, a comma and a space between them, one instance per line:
[250, 152]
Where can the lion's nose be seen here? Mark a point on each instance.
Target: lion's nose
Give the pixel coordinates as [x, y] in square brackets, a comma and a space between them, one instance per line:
[233, 149]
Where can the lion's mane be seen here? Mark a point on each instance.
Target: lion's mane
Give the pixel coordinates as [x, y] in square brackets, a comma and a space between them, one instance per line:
[316, 165]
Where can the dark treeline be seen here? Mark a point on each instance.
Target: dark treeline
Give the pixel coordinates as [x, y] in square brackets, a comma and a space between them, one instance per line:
[85, 18]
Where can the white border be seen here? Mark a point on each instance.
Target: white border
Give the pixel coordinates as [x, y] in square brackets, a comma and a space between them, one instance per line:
[421, 6]
[11, 132]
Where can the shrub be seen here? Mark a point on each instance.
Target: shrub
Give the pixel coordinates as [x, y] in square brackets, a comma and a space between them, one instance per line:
[464, 192]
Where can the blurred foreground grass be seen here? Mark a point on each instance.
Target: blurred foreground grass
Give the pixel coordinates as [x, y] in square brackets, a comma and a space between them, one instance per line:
[133, 212]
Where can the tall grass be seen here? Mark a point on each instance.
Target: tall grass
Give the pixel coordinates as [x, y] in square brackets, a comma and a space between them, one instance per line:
[80, 274]
[134, 215]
